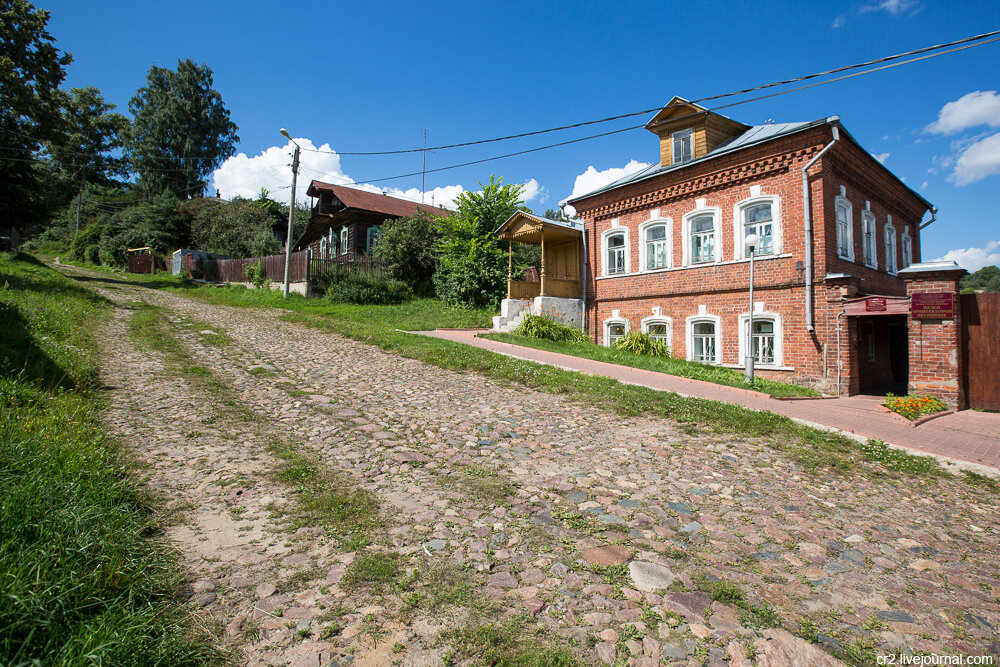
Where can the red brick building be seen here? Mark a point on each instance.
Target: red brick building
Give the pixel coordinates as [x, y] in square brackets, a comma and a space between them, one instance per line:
[666, 250]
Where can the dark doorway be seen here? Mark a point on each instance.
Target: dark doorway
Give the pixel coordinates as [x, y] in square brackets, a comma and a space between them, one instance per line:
[882, 355]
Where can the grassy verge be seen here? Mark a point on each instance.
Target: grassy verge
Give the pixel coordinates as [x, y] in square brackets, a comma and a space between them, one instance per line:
[84, 575]
[668, 365]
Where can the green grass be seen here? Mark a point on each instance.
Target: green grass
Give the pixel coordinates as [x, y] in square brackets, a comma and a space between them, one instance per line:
[668, 365]
[377, 571]
[505, 643]
[85, 575]
[815, 450]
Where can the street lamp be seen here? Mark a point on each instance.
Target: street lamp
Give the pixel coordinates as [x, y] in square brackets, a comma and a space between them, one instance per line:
[291, 212]
[751, 242]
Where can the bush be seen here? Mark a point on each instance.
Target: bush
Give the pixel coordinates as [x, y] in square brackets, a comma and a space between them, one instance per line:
[256, 274]
[536, 326]
[348, 286]
[92, 254]
[640, 343]
[87, 237]
[407, 246]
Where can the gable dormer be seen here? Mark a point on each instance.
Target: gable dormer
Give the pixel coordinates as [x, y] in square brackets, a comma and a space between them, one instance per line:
[688, 131]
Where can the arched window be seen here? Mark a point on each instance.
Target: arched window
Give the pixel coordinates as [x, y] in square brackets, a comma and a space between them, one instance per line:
[845, 225]
[765, 339]
[614, 247]
[890, 248]
[654, 245]
[758, 219]
[615, 329]
[702, 238]
[659, 328]
[868, 232]
[907, 248]
[704, 338]
[343, 241]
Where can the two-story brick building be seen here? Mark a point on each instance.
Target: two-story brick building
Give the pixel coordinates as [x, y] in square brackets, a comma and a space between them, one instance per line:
[666, 250]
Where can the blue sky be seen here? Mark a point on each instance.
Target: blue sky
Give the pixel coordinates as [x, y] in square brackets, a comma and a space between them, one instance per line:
[356, 76]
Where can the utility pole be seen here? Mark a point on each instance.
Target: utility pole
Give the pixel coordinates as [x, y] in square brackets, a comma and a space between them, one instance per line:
[291, 213]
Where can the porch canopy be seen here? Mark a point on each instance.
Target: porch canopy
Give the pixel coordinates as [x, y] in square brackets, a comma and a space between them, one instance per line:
[560, 274]
[877, 305]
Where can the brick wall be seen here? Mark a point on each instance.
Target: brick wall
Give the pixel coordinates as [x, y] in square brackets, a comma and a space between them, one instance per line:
[936, 345]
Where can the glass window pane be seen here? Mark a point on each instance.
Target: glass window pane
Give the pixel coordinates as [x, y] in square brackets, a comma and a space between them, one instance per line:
[703, 223]
[707, 328]
[763, 327]
[656, 233]
[616, 241]
[758, 213]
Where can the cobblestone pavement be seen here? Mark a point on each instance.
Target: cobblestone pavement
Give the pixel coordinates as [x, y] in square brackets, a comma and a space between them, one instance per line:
[617, 526]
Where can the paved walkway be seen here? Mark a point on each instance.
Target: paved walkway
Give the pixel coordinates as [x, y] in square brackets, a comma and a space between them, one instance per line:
[969, 436]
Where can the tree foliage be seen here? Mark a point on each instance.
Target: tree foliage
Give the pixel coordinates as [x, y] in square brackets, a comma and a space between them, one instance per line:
[236, 229]
[408, 247]
[31, 69]
[986, 279]
[89, 133]
[472, 268]
[181, 129]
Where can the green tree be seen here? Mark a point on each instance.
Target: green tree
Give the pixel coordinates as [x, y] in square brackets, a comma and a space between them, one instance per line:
[181, 130]
[237, 228]
[472, 268]
[31, 69]
[986, 279]
[408, 246]
[89, 134]
[557, 214]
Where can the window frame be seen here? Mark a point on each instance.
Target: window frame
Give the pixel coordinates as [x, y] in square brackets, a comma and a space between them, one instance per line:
[702, 318]
[681, 135]
[324, 247]
[344, 240]
[906, 248]
[779, 347]
[739, 225]
[891, 259]
[667, 223]
[838, 202]
[716, 214]
[660, 319]
[370, 242]
[605, 236]
[612, 321]
[868, 223]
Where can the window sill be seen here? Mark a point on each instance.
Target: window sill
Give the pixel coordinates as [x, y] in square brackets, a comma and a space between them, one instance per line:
[845, 258]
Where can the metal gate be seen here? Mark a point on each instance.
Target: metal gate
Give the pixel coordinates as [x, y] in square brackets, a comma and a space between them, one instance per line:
[981, 350]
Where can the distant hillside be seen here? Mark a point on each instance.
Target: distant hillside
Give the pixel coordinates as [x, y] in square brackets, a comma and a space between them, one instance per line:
[986, 279]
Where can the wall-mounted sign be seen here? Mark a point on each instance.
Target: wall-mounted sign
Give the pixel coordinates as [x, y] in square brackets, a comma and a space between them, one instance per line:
[875, 304]
[932, 305]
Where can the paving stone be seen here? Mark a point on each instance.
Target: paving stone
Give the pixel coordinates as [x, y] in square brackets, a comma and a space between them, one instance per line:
[435, 545]
[650, 576]
[688, 605]
[692, 527]
[502, 580]
[611, 554]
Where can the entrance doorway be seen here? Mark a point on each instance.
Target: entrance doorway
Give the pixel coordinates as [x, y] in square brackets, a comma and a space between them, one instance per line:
[883, 355]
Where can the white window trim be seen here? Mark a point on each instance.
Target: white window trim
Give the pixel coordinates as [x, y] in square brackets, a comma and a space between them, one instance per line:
[778, 336]
[689, 336]
[607, 325]
[604, 252]
[838, 201]
[892, 268]
[906, 248]
[869, 218]
[324, 248]
[739, 229]
[660, 319]
[642, 244]
[716, 212]
[344, 238]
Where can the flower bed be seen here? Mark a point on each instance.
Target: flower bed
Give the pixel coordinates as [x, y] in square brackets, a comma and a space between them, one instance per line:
[913, 407]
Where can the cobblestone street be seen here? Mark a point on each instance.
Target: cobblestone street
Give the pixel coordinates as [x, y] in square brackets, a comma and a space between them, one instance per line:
[619, 529]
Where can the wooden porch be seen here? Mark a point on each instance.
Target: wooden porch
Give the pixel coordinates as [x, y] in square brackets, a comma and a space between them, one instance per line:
[560, 274]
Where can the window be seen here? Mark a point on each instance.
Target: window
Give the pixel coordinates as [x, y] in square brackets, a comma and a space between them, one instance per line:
[615, 257]
[871, 341]
[890, 248]
[658, 328]
[614, 330]
[324, 248]
[703, 338]
[682, 143]
[343, 241]
[655, 245]
[845, 244]
[868, 231]
[758, 219]
[765, 338]
[762, 342]
[372, 239]
[702, 238]
[907, 248]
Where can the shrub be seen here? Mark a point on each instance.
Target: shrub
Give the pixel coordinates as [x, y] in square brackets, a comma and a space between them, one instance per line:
[86, 238]
[256, 274]
[349, 286]
[407, 246]
[640, 343]
[536, 326]
[92, 254]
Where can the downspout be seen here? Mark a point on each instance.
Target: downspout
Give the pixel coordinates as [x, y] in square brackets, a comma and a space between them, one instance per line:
[933, 210]
[840, 364]
[807, 221]
[583, 272]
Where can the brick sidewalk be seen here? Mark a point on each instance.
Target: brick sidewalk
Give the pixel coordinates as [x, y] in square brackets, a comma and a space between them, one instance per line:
[969, 436]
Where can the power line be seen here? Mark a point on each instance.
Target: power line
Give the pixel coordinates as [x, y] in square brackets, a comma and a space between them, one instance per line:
[773, 84]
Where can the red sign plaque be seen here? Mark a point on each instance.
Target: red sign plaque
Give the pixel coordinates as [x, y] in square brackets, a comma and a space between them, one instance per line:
[875, 305]
[932, 306]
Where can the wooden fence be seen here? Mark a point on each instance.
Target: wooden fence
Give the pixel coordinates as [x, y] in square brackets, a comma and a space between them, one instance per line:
[234, 270]
[361, 263]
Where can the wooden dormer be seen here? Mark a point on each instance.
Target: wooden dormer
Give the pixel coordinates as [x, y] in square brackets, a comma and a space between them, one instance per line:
[691, 123]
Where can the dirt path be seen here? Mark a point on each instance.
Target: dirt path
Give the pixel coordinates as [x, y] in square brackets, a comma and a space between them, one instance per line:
[585, 530]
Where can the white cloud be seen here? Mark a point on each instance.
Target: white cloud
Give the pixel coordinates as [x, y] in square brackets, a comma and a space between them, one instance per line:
[840, 21]
[980, 107]
[894, 7]
[881, 157]
[973, 259]
[592, 179]
[244, 176]
[979, 160]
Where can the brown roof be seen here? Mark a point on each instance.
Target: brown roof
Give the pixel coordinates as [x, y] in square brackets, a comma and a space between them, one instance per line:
[372, 201]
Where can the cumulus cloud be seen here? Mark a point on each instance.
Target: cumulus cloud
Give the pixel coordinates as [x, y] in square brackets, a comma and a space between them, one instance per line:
[973, 259]
[979, 160]
[881, 157]
[244, 176]
[894, 7]
[592, 179]
[980, 107]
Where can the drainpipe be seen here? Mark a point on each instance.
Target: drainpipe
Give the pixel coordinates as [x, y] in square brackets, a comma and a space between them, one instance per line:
[807, 222]
[840, 364]
[931, 221]
[583, 272]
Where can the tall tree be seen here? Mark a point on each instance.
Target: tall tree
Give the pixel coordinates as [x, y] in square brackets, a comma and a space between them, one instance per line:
[181, 129]
[31, 69]
[90, 133]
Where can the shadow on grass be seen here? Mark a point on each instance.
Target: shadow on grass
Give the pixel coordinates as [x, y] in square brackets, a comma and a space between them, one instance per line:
[20, 356]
